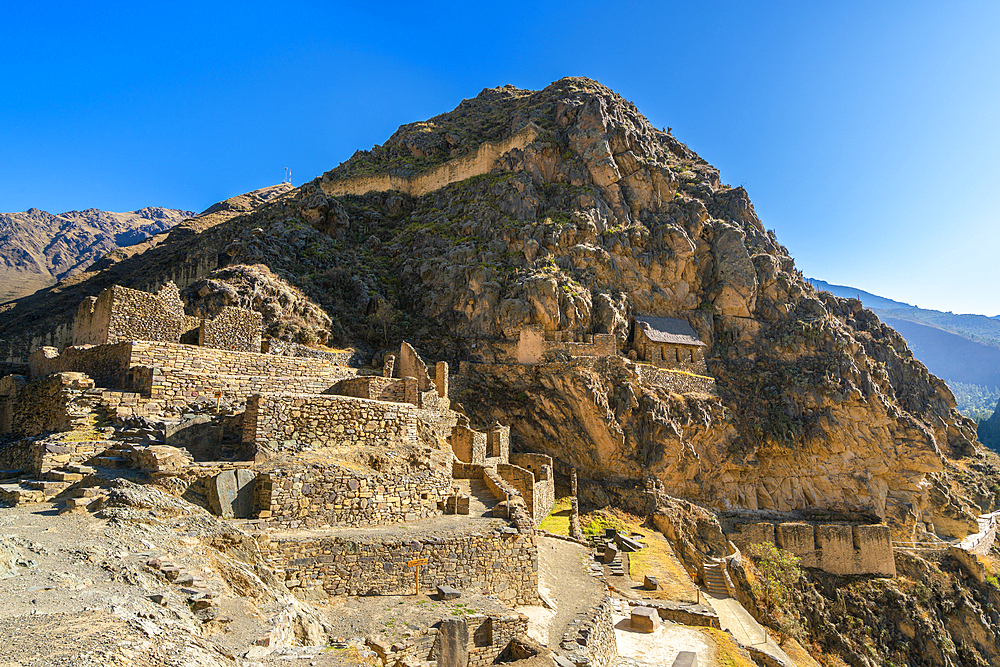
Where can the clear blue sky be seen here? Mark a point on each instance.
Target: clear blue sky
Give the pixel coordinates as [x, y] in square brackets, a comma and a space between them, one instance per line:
[865, 132]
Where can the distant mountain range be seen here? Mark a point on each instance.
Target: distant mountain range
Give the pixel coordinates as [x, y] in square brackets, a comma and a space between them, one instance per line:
[37, 248]
[964, 350]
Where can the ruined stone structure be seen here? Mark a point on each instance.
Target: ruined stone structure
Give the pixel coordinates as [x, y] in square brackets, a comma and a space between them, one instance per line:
[668, 343]
[480, 162]
[322, 447]
[839, 549]
[121, 314]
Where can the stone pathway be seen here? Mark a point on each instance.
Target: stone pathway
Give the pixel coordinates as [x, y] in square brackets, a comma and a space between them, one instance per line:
[481, 500]
[743, 626]
[566, 580]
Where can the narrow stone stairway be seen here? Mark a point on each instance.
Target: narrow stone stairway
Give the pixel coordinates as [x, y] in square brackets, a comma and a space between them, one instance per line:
[715, 579]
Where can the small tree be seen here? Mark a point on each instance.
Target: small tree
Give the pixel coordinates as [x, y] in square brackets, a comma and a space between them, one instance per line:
[779, 572]
[385, 316]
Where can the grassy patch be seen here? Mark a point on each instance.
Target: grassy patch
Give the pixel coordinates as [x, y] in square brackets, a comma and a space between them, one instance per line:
[728, 654]
[557, 521]
[658, 560]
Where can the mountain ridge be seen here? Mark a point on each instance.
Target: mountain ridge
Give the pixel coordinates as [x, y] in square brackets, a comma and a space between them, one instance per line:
[37, 248]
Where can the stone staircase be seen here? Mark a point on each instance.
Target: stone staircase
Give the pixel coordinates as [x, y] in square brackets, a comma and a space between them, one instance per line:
[53, 483]
[715, 579]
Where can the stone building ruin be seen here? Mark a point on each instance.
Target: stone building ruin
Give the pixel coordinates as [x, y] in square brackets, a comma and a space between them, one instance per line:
[667, 342]
[120, 314]
[301, 443]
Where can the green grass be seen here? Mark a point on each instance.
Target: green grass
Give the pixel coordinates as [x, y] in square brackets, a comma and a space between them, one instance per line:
[557, 522]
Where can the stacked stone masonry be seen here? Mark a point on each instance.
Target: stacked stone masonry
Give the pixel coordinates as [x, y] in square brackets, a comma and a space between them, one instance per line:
[592, 642]
[179, 373]
[494, 562]
[121, 314]
[320, 496]
[838, 549]
[679, 382]
[295, 422]
[543, 493]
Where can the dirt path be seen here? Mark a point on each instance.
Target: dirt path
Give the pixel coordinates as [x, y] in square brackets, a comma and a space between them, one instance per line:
[564, 578]
[737, 620]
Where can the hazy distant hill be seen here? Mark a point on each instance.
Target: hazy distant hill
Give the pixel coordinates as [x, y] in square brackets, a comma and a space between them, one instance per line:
[962, 349]
[37, 248]
[870, 300]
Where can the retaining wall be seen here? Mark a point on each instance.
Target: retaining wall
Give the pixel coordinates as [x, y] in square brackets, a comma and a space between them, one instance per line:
[498, 561]
[295, 422]
[838, 549]
[324, 495]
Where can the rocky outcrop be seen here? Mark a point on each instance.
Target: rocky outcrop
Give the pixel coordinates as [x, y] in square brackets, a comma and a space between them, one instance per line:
[601, 217]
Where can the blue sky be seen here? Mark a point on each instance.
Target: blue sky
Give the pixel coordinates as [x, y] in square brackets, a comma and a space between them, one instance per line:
[866, 133]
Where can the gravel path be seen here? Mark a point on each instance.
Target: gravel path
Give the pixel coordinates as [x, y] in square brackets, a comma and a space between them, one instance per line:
[564, 578]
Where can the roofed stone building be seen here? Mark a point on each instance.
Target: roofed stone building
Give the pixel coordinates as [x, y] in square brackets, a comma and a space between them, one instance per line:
[668, 342]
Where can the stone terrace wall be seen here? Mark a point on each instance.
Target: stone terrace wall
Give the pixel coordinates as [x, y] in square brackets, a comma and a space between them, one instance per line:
[299, 421]
[679, 382]
[320, 496]
[493, 562]
[181, 373]
[283, 348]
[838, 549]
[186, 372]
[592, 642]
[234, 329]
[452, 171]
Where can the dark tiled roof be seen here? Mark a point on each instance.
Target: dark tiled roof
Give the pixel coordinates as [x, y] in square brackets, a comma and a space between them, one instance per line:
[667, 330]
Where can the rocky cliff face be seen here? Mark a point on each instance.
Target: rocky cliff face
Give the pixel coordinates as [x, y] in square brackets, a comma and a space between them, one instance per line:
[601, 217]
[38, 248]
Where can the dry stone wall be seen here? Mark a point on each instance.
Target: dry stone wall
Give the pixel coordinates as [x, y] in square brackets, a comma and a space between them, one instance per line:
[543, 490]
[183, 373]
[375, 387]
[452, 171]
[234, 329]
[294, 422]
[838, 549]
[499, 561]
[679, 382]
[592, 642]
[107, 365]
[323, 495]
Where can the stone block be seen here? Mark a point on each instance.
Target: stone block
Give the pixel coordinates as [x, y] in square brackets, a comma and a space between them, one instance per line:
[230, 494]
[686, 659]
[650, 583]
[610, 552]
[453, 650]
[448, 593]
[644, 619]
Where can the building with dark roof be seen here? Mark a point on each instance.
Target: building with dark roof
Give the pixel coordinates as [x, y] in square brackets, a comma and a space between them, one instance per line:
[668, 342]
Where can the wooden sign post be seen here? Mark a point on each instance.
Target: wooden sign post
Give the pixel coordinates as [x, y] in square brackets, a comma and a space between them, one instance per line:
[416, 563]
[218, 401]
